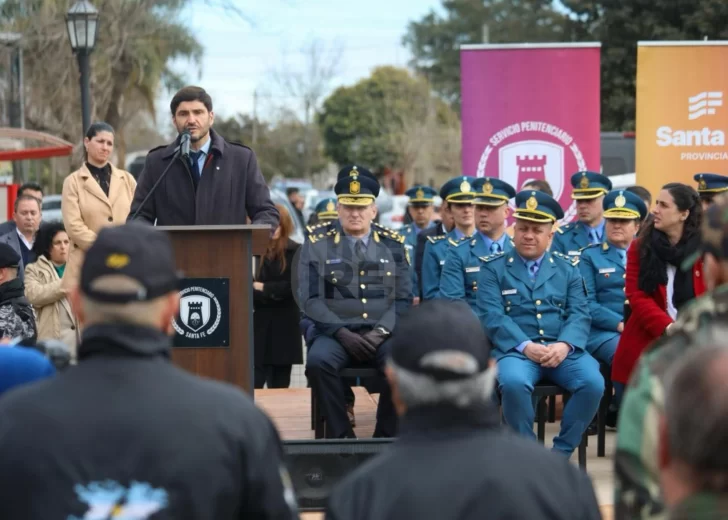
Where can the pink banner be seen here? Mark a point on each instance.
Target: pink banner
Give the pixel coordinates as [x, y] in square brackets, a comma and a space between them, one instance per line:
[531, 112]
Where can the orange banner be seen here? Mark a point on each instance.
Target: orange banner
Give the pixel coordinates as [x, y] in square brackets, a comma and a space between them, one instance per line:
[682, 111]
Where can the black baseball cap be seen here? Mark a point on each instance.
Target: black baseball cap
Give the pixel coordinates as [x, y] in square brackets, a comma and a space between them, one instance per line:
[135, 250]
[9, 257]
[442, 339]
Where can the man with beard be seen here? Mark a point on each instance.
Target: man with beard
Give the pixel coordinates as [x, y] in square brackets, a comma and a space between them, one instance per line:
[219, 183]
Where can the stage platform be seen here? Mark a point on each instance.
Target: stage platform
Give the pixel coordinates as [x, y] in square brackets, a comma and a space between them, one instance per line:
[290, 410]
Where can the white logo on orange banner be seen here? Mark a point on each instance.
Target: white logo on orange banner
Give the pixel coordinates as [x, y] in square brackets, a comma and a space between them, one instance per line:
[704, 104]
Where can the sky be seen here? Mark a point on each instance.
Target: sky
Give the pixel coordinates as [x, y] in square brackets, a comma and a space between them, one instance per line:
[241, 55]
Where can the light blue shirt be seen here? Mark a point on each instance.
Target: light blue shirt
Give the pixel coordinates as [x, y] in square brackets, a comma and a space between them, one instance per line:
[458, 234]
[352, 240]
[599, 228]
[489, 242]
[203, 156]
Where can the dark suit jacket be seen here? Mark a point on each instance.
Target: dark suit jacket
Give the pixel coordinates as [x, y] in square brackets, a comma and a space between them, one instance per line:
[9, 235]
[231, 188]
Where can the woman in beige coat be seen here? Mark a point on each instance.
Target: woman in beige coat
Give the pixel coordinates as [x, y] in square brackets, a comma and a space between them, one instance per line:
[43, 280]
[94, 196]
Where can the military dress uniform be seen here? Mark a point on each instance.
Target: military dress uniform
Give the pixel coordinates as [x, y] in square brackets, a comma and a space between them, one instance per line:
[571, 238]
[603, 267]
[362, 285]
[418, 196]
[459, 278]
[542, 301]
[455, 191]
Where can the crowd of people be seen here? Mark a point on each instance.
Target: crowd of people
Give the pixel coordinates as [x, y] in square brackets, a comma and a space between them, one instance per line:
[462, 316]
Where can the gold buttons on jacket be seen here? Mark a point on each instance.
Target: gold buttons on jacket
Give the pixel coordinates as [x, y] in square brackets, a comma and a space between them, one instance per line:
[363, 300]
[361, 273]
[363, 286]
[538, 302]
[540, 332]
[389, 273]
[365, 315]
[538, 316]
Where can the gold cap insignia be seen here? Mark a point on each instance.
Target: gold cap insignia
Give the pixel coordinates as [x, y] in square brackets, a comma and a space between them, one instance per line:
[420, 194]
[354, 187]
[531, 203]
[584, 183]
[354, 172]
[465, 187]
[620, 201]
[487, 187]
[702, 185]
[330, 206]
[117, 260]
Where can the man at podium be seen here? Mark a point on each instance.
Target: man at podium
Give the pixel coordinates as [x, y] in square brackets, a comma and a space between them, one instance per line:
[200, 178]
[354, 282]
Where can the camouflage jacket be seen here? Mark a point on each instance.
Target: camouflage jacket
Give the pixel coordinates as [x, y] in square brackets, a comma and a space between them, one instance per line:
[637, 489]
[17, 319]
[704, 506]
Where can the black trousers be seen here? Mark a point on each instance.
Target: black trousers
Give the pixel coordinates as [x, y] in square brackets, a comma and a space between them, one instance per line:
[326, 358]
[276, 376]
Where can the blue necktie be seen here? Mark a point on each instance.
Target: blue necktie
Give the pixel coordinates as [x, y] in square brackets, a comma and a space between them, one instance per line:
[532, 269]
[594, 236]
[195, 166]
[495, 248]
[623, 256]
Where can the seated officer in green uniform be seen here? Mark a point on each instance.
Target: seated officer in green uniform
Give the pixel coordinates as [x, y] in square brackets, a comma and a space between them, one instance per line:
[420, 208]
[354, 282]
[588, 191]
[533, 307]
[710, 185]
[604, 267]
[459, 278]
[458, 194]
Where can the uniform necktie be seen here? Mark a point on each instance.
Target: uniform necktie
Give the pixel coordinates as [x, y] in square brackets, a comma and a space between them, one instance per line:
[359, 249]
[532, 269]
[195, 166]
[594, 236]
[623, 256]
[495, 248]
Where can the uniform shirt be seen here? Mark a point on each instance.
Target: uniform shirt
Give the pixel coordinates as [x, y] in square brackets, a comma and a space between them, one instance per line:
[604, 273]
[553, 308]
[459, 277]
[573, 237]
[338, 290]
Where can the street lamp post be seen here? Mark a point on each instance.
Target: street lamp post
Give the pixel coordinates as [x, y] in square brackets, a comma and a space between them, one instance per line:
[82, 23]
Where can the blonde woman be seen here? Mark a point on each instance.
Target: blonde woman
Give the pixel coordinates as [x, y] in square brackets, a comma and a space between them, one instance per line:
[43, 280]
[95, 196]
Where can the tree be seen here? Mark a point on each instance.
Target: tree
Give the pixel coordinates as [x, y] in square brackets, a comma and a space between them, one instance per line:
[136, 43]
[304, 88]
[389, 120]
[435, 40]
[278, 146]
[619, 24]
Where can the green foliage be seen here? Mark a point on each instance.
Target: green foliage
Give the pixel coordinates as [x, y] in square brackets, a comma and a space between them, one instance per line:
[619, 24]
[379, 121]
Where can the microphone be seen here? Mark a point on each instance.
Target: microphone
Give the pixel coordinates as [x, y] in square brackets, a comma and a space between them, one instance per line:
[184, 144]
[183, 150]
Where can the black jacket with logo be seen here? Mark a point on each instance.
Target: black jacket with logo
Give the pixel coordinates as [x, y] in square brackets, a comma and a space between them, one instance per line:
[127, 434]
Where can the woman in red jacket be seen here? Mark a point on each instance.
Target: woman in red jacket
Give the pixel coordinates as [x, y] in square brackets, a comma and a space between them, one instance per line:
[656, 286]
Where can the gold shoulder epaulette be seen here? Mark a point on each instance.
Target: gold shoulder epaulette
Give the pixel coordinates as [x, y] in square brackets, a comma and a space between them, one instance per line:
[436, 239]
[492, 257]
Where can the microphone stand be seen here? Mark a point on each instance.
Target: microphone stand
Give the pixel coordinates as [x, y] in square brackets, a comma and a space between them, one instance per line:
[161, 178]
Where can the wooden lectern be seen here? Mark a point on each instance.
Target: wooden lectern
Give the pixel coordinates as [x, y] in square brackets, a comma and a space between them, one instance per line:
[209, 257]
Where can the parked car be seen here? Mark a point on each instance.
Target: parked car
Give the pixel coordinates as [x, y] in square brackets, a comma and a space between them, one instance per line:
[51, 208]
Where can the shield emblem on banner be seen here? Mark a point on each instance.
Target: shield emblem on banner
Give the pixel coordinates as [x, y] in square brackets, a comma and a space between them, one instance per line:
[194, 311]
[524, 161]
